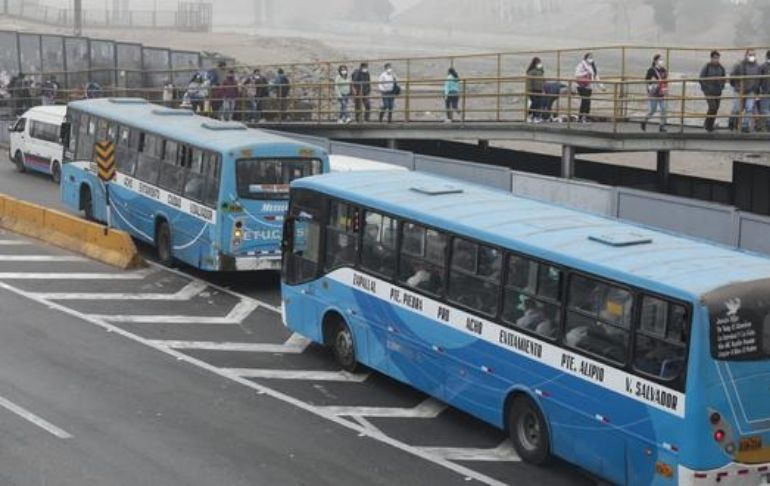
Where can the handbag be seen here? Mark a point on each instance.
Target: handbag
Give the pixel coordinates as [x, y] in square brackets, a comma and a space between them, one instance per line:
[396, 89]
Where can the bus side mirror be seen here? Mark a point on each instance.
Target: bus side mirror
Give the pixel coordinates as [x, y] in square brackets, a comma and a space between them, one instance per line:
[11, 127]
[64, 133]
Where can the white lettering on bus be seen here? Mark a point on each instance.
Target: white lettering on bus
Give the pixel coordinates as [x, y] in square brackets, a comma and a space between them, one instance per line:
[201, 211]
[365, 283]
[652, 394]
[149, 191]
[526, 346]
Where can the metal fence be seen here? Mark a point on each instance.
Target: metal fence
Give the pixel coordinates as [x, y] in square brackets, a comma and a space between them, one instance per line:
[189, 16]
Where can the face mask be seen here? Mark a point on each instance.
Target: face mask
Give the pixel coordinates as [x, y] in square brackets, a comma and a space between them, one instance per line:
[344, 73]
[364, 70]
[590, 61]
[540, 66]
[389, 71]
[661, 64]
[752, 59]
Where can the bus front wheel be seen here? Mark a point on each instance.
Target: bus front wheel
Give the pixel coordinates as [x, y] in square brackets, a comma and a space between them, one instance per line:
[343, 347]
[18, 160]
[56, 173]
[528, 431]
[163, 244]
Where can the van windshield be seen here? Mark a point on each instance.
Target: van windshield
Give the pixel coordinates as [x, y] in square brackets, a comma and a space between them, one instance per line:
[270, 178]
[740, 321]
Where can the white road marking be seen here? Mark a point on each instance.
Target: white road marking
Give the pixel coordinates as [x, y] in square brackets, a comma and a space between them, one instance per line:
[265, 390]
[236, 316]
[502, 453]
[188, 292]
[138, 275]
[295, 346]
[308, 375]
[429, 408]
[13, 243]
[31, 417]
[42, 258]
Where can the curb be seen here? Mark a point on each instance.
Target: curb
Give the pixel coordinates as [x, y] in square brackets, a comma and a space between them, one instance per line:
[113, 247]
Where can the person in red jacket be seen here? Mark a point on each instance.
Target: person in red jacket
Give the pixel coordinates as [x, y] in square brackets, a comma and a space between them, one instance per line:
[229, 93]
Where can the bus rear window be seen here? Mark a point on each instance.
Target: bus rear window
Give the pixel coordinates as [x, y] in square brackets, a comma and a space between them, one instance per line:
[740, 321]
[270, 178]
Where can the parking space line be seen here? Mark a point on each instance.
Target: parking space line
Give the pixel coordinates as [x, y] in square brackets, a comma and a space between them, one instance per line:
[235, 317]
[502, 453]
[308, 375]
[296, 346]
[429, 408]
[138, 275]
[31, 417]
[42, 258]
[188, 292]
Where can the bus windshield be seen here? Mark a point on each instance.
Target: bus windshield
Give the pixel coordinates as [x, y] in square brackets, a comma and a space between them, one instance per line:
[270, 178]
[740, 321]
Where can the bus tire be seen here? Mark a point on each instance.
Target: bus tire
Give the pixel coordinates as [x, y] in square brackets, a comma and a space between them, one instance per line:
[87, 202]
[343, 346]
[56, 172]
[163, 243]
[18, 160]
[529, 431]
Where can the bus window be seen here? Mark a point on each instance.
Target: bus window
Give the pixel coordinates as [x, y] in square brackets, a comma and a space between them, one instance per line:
[101, 129]
[212, 168]
[473, 276]
[74, 119]
[661, 339]
[147, 164]
[423, 258]
[599, 318]
[126, 157]
[531, 298]
[378, 252]
[171, 175]
[270, 178]
[195, 182]
[341, 235]
[85, 139]
[112, 131]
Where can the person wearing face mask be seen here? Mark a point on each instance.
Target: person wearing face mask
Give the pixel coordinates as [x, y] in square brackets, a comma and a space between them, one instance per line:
[388, 87]
[343, 91]
[712, 83]
[764, 102]
[657, 89]
[362, 88]
[587, 75]
[452, 94]
[747, 86]
[535, 87]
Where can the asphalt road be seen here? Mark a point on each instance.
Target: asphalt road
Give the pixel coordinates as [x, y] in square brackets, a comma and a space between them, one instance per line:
[198, 382]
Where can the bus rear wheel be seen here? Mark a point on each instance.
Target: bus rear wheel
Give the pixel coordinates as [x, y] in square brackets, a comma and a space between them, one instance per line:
[56, 173]
[163, 244]
[18, 160]
[343, 347]
[528, 431]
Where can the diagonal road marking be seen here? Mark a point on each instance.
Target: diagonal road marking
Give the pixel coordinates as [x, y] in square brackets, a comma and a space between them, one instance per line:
[308, 375]
[31, 417]
[296, 344]
[42, 258]
[502, 453]
[236, 316]
[429, 408]
[188, 292]
[138, 275]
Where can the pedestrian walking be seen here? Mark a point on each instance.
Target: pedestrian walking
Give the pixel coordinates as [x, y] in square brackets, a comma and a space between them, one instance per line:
[282, 87]
[587, 74]
[194, 93]
[712, 83]
[657, 90]
[362, 89]
[93, 90]
[452, 94]
[764, 101]
[343, 90]
[389, 89]
[535, 86]
[49, 91]
[746, 76]
[256, 92]
[229, 94]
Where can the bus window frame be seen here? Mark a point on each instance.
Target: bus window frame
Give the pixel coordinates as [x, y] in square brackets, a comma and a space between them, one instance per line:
[500, 281]
[320, 213]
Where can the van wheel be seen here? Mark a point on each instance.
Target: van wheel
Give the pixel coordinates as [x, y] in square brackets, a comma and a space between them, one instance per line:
[344, 348]
[87, 203]
[163, 244]
[528, 431]
[18, 159]
[56, 173]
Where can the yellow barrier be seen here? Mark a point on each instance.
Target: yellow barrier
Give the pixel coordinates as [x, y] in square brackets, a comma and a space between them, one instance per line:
[112, 247]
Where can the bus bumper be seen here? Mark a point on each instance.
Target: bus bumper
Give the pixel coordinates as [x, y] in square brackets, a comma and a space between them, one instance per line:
[248, 263]
[733, 474]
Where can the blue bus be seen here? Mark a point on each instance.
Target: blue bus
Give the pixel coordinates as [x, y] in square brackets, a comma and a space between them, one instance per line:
[638, 355]
[208, 193]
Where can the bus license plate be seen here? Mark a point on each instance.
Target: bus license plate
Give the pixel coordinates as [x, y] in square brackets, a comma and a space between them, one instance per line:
[750, 444]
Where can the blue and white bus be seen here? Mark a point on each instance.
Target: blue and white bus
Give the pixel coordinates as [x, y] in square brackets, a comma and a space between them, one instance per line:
[211, 194]
[638, 355]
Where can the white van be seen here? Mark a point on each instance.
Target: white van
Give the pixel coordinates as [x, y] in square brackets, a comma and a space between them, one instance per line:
[35, 140]
[346, 163]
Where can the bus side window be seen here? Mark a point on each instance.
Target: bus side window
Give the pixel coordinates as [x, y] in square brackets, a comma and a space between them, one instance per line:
[171, 175]
[342, 235]
[195, 182]
[125, 153]
[85, 139]
[147, 164]
[474, 276]
[423, 258]
[378, 252]
[528, 303]
[101, 129]
[74, 119]
[212, 169]
[661, 339]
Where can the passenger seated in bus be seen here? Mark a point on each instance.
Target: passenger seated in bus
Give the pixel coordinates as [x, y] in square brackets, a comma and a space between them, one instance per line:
[375, 256]
[424, 277]
[533, 316]
[343, 252]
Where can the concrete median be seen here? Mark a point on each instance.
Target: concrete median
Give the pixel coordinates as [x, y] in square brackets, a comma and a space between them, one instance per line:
[93, 240]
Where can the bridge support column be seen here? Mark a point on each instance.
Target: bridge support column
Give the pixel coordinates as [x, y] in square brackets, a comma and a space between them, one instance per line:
[664, 170]
[567, 161]
[392, 144]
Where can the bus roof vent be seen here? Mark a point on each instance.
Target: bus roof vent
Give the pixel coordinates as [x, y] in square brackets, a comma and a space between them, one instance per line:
[223, 126]
[128, 101]
[629, 238]
[437, 189]
[171, 112]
